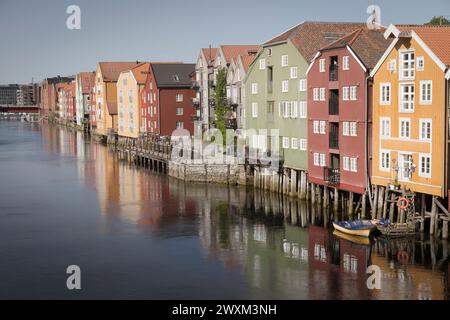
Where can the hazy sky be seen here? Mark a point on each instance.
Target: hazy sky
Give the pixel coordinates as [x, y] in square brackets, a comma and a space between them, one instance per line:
[35, 42]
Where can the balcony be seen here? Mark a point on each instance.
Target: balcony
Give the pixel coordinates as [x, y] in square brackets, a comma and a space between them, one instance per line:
[334, 73]
[332, 175]
[333, 103]
[334, 136]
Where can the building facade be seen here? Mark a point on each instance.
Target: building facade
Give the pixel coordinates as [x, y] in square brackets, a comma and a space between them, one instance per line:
[84, 83]
[340, 110]
[25, 95]
[410, 115]
[167, 98]
[129, 86]
[49, 94]
[8, 94]
[276, 93]
[105, 108]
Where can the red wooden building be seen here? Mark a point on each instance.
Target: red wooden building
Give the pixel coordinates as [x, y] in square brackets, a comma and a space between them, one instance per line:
[166, 99]
[339, 110]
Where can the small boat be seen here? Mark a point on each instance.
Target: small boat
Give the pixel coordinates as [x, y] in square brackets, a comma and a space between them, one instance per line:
[361, 228]
[353, 239]
[396, 229]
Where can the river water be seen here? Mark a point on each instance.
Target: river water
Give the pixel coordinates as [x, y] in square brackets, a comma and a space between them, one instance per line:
[139, 234]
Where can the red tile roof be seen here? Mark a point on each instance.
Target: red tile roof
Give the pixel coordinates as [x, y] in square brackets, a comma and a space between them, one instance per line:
[140, 72]
[308, 37]
[437, 38]
[233, 51]
[87, 80]
[210, 54]
[247, 61]
[368, 45]
[112, 70]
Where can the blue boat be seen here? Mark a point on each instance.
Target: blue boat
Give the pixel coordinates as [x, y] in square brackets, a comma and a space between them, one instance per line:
[361, 228]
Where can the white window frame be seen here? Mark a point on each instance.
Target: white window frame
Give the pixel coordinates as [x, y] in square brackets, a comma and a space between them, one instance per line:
[421, 132]
[294, 143]
[285, 142]
[254, 109]
[353, 129]
[316, 159]
[345, 93]
[303, 109]
[346, 163]
[294, 109]
[284, 60]
[285, 86]
[179, 97]
[392, 65]
[303, 144]
[346, 63]
[385, 164]
[293, 72]
[421, 173]
[322, 94]
[401, 100]
[385, 93]
[316, 126]
[400, 135]
[323, 160]
[353, 93]
[262, 64]
[422, 95]
[420, 60]
[385, 131]
[346, 128]
[322, 127]
[322, 65]
[354, 164]
[315, 94]
[302, 85]
[411, 65]
[254, 88]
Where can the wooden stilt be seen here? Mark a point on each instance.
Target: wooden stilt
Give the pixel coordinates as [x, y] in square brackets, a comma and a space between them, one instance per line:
[326, 197]
[423, 207]
[375, 203]
[313, 194]
[350, 204]
[392, 208]
[336, 200]
[433, 216]
[319, 194]
[363, 206]
[380, 202]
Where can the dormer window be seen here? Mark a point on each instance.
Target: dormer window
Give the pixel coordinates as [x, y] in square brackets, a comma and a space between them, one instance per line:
[176, 78]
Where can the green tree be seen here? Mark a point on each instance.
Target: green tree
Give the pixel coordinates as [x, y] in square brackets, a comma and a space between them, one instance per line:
[221, 107]
[438, 21]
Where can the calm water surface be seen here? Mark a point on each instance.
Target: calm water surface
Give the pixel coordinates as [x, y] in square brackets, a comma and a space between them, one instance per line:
[139, 234]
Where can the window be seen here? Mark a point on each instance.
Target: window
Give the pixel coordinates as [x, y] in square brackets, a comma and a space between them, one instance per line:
[345, 128]
[262, 64]
[353, 129]
[179, 97]
[302, 85]
[303, 109]
[426, 88]
[255, 109]
[385, 93]
[406, 99]
[303, 144]
[322, 94]
[392, 65]
[353, 164]
[294, 109]
[285, 142]
[316, 126]
[286, 108]
[294, 143]
[407, 61]
[285, 86]
[316, 94]
[425, 129]
[405, 128]
[420, 63]
[269, 52]
[385, 160]
[322, 65]
[353, 93]
[425, 165]
[284, 60]
[345, 93]
[345, 63]
[385, 127]
[294, 72]
[179, 111]
[316, 159]
[322, 125]
[346, 163]
[322, 160]
[254, 88]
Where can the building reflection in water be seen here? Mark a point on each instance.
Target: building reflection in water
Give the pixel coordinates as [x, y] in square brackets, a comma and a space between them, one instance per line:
[282, 246]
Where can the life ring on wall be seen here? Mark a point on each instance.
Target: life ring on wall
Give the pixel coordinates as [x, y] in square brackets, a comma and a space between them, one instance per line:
[402, 203]
[403, 256]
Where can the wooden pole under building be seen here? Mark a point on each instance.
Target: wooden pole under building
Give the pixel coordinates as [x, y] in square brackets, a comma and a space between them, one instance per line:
[432, 218]
[363, 206]
[319, 193]
[336, 200]
[375, 203]
[313, 193]
[392, 208]
[326, 197]
[350, 204]
[380, 202]
[422, 212]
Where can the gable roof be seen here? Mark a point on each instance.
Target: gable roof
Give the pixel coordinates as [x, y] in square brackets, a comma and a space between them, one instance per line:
[233, 51]
[368, 45]
[111, 70]
[209, 53]
[140, 72]
[173, 75]
[87, 80]
[309, 36]
[247, 61]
